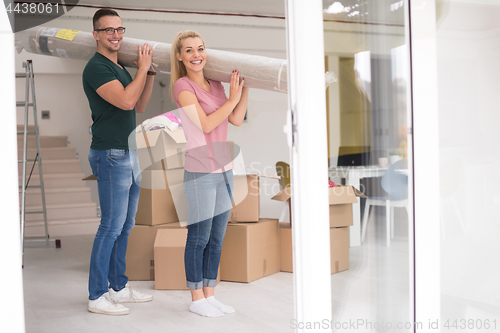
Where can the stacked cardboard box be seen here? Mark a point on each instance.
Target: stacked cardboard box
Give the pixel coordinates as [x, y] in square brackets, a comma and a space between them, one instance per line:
[341, 199]
[339, 248]
[156, 203]
[250, 251]
[286, 247]
[157, 243]
[161, 145]
[140, 251]
[246, 198]
[161, 159]
[169, 249]
[169, 259]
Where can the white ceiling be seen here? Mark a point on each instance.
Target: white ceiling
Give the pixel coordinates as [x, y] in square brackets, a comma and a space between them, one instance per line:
[379, 11]
[248, 7]
[365, 11]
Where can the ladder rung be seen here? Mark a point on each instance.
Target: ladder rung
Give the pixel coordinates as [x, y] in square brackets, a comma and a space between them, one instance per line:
[34, 212]
[31, 186]
[20, 132]
[35, 237]
[28, 160]
[21, 103]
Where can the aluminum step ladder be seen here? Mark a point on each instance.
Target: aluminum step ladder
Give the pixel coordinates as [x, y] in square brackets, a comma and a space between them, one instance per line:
[44, 239]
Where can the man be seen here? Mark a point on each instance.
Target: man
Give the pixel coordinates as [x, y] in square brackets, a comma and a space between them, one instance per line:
[114, 98]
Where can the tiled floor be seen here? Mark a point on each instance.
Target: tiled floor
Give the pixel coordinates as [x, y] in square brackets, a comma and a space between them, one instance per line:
[375, 288]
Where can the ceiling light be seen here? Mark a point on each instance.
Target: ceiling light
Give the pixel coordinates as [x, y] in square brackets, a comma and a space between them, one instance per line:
[336, 8]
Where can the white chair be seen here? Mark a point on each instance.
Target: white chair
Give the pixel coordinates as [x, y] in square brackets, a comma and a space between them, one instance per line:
[395, 183]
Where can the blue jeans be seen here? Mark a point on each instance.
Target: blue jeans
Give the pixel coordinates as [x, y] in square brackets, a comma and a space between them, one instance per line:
[209, 201]
[118, 197]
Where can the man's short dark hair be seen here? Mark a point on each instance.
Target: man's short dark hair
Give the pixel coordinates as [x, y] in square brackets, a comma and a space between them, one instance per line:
[100, 13]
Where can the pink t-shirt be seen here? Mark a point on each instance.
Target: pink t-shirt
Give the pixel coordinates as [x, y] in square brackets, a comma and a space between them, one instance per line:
[205, 152]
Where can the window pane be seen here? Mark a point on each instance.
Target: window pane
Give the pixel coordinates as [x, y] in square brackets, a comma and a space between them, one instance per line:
[366, 52]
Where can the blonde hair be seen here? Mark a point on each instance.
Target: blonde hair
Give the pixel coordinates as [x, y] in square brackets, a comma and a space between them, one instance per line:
[177, 68]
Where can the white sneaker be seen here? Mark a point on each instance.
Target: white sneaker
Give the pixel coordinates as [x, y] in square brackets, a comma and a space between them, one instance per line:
[105, 305]
[129, 295]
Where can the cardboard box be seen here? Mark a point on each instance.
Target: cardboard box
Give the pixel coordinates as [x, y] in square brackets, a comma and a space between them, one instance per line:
[169, 247]
[140, 251]
[169, 259]
[341, 199]
[180, 202]
[339, 248]
[285, 196]
[246, 198]
[156, 204]
[159, 145]
[286, 248]
[162, 144]
[250, 251]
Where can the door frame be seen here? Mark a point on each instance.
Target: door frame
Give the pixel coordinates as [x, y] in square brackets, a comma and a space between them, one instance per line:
[425, 162]
[307, 135]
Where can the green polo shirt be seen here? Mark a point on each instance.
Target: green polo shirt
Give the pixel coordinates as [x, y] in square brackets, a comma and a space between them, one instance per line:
[111, 126]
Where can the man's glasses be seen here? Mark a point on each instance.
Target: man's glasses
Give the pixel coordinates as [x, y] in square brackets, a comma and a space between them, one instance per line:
[111, 31]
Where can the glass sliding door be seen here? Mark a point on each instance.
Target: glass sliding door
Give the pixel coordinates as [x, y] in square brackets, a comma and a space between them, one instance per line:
[368, 87]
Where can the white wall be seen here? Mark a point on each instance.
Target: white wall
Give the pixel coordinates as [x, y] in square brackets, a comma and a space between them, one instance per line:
[59, 88]
[468, 85]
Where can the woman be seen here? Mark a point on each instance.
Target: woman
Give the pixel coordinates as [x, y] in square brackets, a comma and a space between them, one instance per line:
[208, 179]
